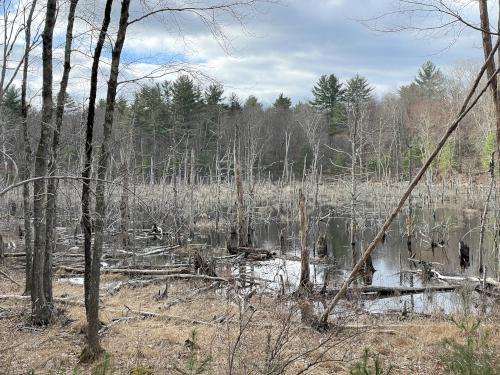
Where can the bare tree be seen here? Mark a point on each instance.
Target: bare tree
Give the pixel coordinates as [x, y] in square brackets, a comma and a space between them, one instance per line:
[50, 239]
[27, 152]
[41, 310]
[93, 347]
[89, 138]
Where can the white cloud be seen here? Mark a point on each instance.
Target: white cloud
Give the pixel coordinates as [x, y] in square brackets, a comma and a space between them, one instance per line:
[280, 48]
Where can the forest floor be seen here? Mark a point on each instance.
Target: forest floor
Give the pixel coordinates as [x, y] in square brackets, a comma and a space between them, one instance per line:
[145, 334]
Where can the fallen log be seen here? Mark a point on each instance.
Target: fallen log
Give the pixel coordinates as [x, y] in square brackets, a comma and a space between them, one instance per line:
[16, 297]
[375, 292]
[252, 252]
[312, 260]
[14, 255]
[489, 280]
[130, 272]
[159, 250]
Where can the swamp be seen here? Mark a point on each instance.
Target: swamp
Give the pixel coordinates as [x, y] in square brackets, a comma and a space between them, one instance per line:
[160, 214]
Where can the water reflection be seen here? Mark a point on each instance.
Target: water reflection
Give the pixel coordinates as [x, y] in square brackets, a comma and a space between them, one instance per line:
[436, 237]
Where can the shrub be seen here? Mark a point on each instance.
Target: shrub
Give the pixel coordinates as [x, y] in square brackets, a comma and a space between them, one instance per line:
[194, 365]
[472, 355]
[365, 368]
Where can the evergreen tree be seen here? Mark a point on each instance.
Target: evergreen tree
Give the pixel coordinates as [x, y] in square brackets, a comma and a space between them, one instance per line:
[252, 102]
[234, 103]
[186, 100]
[152, 112]
[12, 100]
[429, 80]
[282, 102]
[211, 125]
[213, 95]
[328, 95]
[357, 94]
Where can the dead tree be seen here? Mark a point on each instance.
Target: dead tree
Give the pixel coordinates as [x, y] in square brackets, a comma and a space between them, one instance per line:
[485, 214]
[464, 254]
[305, 279]
[124, 202]
[240, 205]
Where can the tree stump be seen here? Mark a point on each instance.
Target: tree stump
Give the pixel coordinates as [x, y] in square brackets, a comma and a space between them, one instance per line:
[322, 247]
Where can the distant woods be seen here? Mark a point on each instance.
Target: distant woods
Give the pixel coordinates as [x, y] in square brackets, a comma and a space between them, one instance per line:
[165, 121]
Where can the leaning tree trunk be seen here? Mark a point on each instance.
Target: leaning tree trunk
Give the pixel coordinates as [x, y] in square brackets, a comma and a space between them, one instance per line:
[41, 311]
[466, 107]
[93, 347]
[28, 154]
[50, 240]
[87, 168]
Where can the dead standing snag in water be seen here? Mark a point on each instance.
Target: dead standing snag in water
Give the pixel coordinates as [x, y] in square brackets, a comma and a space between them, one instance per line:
[463, 250]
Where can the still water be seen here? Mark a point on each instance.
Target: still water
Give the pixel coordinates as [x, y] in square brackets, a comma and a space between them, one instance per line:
[444, 226]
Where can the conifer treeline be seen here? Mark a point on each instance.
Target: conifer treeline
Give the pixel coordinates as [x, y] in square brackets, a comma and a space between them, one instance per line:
[166, 120]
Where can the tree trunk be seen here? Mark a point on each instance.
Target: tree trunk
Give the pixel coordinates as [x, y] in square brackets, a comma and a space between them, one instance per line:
[28, 154]
[87, 168]
[50, 242]
[242, 222]
[191, 195]
[41, 311]
[484, 214]
[487, 48]
[124, 204]
[93, 347]
[353, 226]
[305, 281]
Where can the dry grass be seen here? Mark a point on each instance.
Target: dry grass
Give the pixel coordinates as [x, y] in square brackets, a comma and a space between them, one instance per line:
[159, 343]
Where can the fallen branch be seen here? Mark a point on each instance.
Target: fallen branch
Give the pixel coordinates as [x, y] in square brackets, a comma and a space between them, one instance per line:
[16, 297]
[8, 277]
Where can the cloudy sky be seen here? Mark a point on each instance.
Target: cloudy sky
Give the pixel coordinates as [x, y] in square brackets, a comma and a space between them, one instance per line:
[286, 46]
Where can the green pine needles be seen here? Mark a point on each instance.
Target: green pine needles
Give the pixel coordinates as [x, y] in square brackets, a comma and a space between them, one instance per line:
[472, 355]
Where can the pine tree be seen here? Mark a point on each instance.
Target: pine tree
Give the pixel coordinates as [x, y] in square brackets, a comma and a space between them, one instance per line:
[213, 95]
[429, 80]
[12, 99]
[234, 103]
[282, 102]
[357, 94]
[151, 109]
[186, 100]
[328, 95]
